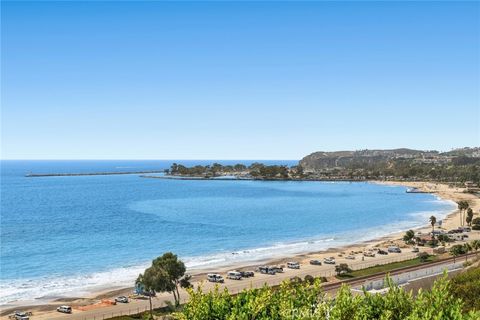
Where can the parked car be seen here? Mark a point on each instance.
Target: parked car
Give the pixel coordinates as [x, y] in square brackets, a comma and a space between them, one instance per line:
[20, 315]
[234, 275]
[383, 252]
[121, 299]
[149, 293]
[369, 254]
[316, 262]
[247, 274]
[394, 249]
[350, 257]
[329, 260]
[293, 265]
[415, 249]
[277, 269]
[64, 309]
[266, 270]
[213, 277]
[455, 231]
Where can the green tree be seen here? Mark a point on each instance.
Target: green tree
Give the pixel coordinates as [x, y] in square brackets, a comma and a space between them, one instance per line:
[467, 248]
[433, 220]
[462, 206]
[469, 217]
[166, 274]
[465, 208]
[456, 250]
[145, 281]
[466, 286]
[437, 303]
[460, 210]
[342, 268]
[409, 236]
[476, 246]
[302, 300]
[423, 256]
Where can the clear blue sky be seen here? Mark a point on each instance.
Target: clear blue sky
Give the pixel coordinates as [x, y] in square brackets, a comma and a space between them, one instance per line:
[151, 80]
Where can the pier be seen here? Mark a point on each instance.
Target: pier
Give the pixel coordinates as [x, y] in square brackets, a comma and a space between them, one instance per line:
[36, 175]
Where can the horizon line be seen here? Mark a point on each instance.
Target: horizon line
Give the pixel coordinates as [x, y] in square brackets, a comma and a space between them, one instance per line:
[148, 159]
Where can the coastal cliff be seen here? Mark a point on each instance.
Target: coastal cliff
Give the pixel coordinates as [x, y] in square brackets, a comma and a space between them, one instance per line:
[456, 166]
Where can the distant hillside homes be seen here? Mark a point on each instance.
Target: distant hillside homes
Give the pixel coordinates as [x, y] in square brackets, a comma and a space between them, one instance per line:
[458, 165]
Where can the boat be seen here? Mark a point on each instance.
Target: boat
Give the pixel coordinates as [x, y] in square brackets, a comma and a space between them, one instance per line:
[414, 190]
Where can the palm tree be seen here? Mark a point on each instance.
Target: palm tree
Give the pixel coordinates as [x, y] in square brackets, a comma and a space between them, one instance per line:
[456, 250]
[467, 248]
[462, 206]
[466, 206]
[433, 220]
[476, 246]
[460, 209]
[469, 217]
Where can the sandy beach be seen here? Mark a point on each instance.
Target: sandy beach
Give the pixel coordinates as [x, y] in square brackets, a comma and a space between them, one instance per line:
[443, 191]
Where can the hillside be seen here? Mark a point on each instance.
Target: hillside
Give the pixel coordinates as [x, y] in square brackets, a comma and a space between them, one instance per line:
[459, 165]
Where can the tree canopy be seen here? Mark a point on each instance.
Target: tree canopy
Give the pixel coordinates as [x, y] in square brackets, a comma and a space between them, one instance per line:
[302, 300]
[166, 274]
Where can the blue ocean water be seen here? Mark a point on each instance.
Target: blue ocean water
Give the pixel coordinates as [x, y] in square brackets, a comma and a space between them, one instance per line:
[68, 234]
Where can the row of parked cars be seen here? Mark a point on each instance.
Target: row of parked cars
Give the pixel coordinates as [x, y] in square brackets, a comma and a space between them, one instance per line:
[315, 262]
[373, 252]
[238, 275]
[272, 270]
[234, 275]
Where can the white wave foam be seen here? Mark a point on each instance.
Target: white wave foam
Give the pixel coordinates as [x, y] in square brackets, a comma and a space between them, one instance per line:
[48, 288]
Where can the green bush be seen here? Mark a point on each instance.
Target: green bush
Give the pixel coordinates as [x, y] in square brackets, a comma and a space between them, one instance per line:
[294, 300]
[466, 286]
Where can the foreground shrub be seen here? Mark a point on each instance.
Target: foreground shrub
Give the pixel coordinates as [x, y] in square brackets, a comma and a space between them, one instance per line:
[466, 286]
[300, 300]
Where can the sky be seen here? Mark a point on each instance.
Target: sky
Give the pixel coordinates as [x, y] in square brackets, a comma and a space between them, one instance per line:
[227, 80]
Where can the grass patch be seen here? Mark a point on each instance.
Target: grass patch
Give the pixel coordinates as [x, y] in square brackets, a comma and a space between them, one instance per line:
[386, 267]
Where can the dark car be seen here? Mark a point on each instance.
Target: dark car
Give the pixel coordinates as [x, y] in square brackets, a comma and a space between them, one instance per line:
[20, 315]
[380, 251]
[149, 293]
[316, 262]
[247, 274]
[276, 269]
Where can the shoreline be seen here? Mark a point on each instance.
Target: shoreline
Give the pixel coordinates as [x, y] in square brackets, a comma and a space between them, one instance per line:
[450, 221]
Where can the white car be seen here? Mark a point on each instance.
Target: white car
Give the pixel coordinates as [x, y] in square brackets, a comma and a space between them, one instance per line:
[234, 275]
[369, 254]
[293, 265]
[121, 299]
[329, 260]
[213, 277]
[350, 257]
[64, 309]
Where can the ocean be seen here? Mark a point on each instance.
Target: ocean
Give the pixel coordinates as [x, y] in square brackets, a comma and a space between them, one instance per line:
[75, 234]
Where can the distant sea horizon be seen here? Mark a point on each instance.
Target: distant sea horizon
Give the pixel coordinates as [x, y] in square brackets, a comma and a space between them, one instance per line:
[65, 235]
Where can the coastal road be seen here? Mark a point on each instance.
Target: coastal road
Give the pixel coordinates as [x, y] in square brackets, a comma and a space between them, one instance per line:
[136, 306]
